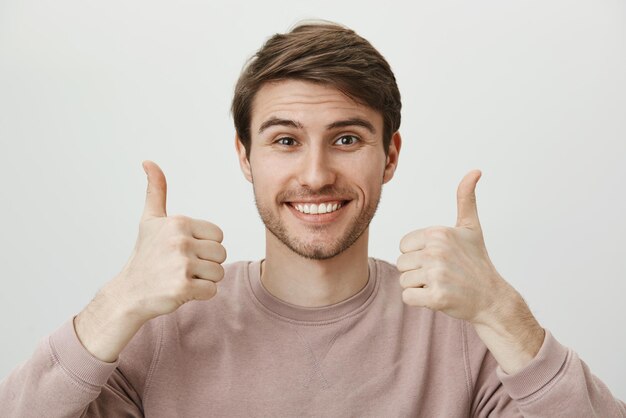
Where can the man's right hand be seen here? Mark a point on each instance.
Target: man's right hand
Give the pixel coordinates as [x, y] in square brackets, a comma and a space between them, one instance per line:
[176, 259]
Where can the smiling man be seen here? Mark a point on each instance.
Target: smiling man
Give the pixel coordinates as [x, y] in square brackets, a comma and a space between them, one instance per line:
[318, 327]
[317, 163]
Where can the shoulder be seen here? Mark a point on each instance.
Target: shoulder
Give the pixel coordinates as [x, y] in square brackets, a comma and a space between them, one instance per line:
[387, 273]
[236, 276]
[236, 268]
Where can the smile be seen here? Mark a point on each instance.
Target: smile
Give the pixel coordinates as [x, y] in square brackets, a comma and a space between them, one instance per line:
[318, 213]
[315, 209]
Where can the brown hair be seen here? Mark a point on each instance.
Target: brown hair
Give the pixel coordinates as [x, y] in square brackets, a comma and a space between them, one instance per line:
[321, 52]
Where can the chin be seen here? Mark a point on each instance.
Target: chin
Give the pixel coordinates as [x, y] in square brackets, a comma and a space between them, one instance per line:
[319, 251]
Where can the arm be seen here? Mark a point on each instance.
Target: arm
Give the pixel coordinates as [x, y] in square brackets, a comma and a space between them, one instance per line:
[86, 366]
[62, 378]
[449, 270]
[544, 378]
[555, 383]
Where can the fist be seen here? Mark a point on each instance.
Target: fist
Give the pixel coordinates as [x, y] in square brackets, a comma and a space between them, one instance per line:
[176, 259]
[448, 269]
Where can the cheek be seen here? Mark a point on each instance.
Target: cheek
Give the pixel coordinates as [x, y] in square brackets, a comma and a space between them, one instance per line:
[367, 181]
[369, 161]
[268, 180]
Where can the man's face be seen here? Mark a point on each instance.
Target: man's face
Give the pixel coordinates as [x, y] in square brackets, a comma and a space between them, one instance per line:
[315, 150]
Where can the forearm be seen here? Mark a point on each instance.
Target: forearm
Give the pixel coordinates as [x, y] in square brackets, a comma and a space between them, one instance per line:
[511, 333]
[542, 376]
[59, 379]
[106, 326]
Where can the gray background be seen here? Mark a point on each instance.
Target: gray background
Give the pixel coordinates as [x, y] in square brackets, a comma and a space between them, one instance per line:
[533, 93]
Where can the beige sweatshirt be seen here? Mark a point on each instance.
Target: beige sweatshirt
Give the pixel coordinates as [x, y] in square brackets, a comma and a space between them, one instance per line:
[245, 353]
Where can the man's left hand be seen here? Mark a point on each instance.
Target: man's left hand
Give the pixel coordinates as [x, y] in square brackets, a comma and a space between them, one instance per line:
[448, 269]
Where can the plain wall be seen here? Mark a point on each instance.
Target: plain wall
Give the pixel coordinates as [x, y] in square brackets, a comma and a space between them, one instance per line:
[533, 93]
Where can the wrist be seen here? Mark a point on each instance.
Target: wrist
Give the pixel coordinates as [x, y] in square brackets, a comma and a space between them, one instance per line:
[105, 326]
[511, 333]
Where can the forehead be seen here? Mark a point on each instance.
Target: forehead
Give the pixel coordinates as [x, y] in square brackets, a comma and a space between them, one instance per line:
[307, 102]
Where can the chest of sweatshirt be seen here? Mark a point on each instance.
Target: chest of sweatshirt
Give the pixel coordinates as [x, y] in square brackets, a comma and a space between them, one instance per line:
[234, 356]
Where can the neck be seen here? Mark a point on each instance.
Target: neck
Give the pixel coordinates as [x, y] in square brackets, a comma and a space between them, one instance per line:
[313, 283]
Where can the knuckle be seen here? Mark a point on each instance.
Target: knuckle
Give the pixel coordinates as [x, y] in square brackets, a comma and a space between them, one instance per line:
[212, 289]
[179, 221]
[410, 261]
[405, 297]
[411, 240]
[180, 288]
[206, 291]
[436, 274]
[184, 244]
[221, 253]
[438, 232]
[438, 299]
[187, 269]
[403, 279]
[404, 243]
[407, 280]
[408, 297]
[219, 234]
[180, 243]
[401, 263]
[215, 231]
[219, 272]
[436, 253]
[441, 276]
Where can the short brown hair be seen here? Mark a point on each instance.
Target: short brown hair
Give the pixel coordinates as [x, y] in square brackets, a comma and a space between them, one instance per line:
[321, 52]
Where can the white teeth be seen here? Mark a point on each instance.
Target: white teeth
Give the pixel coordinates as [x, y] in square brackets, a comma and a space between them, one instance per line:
[315, 209]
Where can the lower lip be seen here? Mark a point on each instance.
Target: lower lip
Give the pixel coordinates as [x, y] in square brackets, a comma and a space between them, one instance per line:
[320, 218]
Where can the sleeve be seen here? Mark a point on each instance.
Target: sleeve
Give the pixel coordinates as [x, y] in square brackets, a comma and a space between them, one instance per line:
[556, 383]
[63, 379]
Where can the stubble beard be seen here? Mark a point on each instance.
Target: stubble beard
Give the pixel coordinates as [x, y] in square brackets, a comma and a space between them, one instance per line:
[315, 251]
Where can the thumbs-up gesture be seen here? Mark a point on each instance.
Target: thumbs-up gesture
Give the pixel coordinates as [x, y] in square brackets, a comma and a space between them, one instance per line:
[448, 269]
[176, 259]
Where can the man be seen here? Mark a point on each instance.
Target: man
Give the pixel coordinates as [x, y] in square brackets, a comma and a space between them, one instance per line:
[316, 328]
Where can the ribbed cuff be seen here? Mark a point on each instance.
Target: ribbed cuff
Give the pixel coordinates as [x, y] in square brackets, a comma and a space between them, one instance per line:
[75, 358]
[541, 370]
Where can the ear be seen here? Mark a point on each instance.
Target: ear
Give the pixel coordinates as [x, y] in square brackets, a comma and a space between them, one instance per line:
[392, 156]
[243, 160]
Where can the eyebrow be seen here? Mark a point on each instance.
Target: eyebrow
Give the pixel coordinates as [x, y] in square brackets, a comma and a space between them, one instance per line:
[274, 121]
[352, 122]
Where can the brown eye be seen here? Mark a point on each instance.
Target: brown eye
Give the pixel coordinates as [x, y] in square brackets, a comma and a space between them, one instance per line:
[347, 140]
[286, 141]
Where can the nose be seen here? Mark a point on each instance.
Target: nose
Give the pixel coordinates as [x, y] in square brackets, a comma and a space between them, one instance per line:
[316, 169]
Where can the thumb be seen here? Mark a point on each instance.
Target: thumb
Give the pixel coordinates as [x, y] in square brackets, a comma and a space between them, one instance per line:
[467, 212]
[156, 194]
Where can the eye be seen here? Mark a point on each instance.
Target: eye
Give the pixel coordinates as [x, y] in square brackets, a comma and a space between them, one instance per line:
[286, 141]
[347, 140]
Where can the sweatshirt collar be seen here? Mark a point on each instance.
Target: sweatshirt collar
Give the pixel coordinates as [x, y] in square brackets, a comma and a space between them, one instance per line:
[329, 313]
